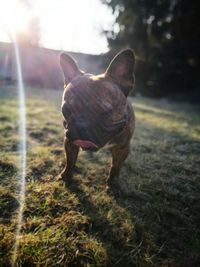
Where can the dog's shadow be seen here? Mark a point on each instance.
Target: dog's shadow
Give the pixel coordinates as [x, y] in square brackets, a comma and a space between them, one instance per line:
[100, 226]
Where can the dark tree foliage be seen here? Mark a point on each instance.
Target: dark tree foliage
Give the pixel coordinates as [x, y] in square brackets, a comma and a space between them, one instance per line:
[165, 35]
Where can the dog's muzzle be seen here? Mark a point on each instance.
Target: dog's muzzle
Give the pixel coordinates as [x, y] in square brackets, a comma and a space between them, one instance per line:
[91, 136]
[79, 135]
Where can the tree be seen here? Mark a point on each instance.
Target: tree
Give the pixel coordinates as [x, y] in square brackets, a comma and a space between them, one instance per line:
[165, 35]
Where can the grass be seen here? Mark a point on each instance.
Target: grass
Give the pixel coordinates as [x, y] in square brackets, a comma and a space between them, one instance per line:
[155, 224]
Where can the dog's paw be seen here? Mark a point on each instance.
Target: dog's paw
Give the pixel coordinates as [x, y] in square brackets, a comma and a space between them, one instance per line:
[77, 170]
[114, 191]
[65, 175]
[58, 177]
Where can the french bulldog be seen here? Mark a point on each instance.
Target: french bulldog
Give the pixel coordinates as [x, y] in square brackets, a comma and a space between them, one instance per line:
[97, 113]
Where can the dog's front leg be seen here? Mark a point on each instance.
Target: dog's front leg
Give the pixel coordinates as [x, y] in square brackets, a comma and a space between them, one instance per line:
[71, 152]
[119, 154]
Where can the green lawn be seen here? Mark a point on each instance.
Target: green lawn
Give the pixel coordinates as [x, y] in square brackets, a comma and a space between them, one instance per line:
[155, 224]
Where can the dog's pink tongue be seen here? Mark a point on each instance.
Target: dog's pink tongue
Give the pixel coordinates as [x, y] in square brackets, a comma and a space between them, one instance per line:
[84, 143]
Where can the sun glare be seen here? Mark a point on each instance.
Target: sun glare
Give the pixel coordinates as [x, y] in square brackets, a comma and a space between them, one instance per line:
[14, 16]
[71, 25]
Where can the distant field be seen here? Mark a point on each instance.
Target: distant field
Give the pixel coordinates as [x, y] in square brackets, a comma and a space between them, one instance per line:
[155, 224]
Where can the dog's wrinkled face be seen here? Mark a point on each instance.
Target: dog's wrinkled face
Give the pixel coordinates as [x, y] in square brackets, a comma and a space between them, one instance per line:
[95, 107]
[94, 111]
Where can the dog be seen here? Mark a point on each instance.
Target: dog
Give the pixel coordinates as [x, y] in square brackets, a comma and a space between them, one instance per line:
[97, 113]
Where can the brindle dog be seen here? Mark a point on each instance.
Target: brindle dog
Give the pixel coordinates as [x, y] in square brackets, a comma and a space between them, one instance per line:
[97, 113]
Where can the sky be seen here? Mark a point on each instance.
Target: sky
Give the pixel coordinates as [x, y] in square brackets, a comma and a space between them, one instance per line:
[71, 25]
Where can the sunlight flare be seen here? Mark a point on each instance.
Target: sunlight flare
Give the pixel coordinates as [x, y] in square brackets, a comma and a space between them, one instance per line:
[22, 147]
[14, 16]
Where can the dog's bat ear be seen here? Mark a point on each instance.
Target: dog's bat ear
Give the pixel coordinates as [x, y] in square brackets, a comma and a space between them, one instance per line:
[121, 70]
[69, 67]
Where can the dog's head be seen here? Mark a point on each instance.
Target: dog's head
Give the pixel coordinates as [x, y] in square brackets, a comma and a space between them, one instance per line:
[95, 107]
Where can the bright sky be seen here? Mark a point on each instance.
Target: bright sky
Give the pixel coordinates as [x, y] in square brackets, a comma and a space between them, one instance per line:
[72, 25]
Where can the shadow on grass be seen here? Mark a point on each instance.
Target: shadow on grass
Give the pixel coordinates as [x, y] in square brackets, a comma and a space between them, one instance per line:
[8, 203]
[118, 252]
[169, 227]
[166, 195]
[164, 204]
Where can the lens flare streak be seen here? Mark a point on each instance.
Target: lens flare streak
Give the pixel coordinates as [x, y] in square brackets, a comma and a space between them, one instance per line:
[22, 147]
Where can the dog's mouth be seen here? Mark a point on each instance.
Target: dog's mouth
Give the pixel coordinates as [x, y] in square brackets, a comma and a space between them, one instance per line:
[86, 144]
